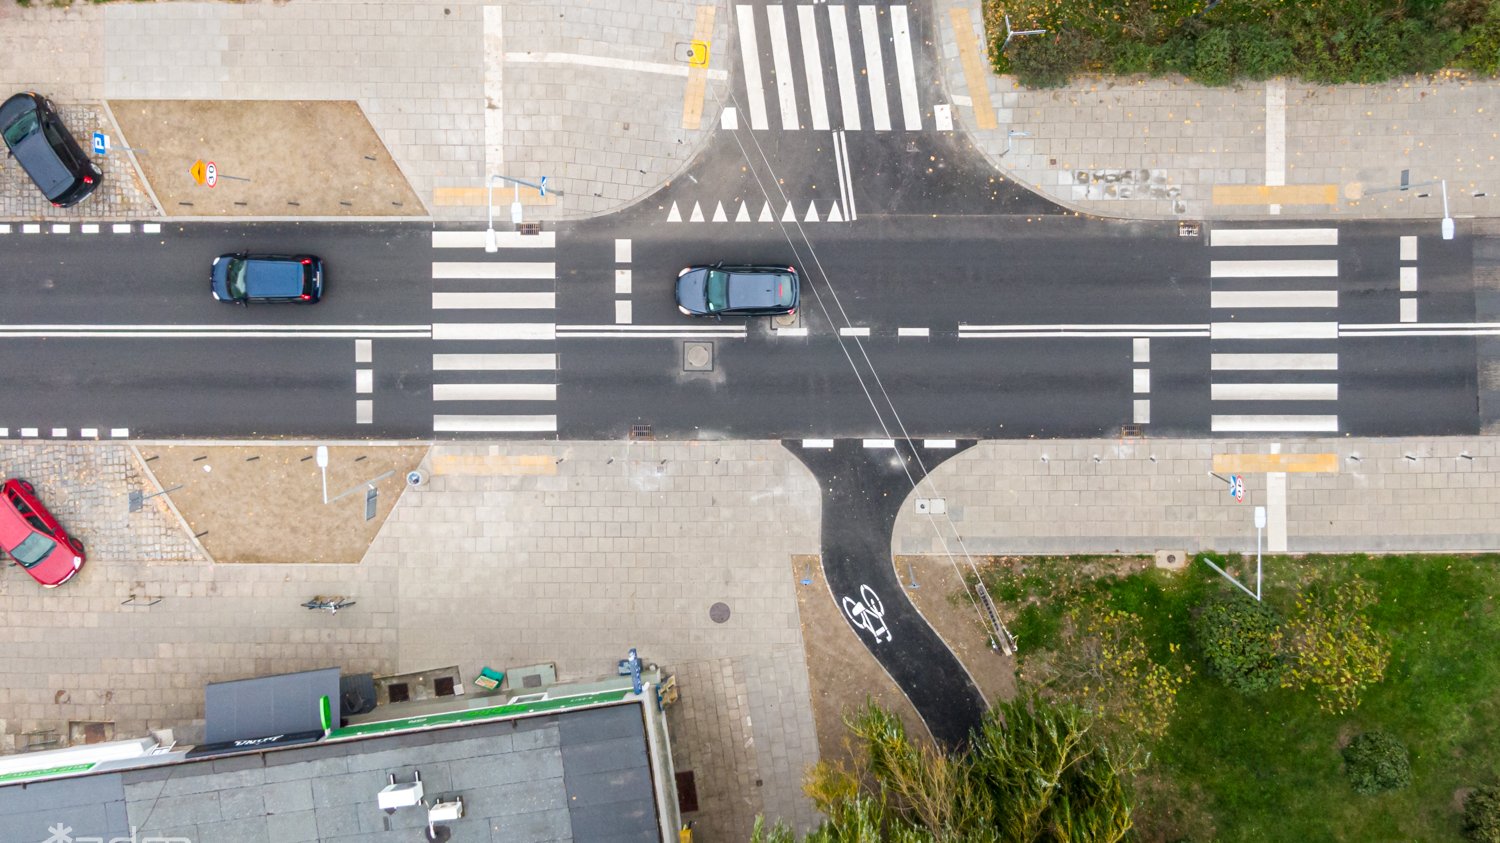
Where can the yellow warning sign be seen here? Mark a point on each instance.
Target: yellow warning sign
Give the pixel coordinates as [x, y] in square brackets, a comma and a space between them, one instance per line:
[199, 171]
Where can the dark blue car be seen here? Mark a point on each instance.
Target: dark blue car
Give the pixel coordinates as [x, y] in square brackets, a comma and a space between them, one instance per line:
[244, 278]
[721, 290]
[42, 145]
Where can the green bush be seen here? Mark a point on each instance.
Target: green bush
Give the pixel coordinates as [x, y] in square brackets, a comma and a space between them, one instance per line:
[1241, 641]
[1048, 61]
[1482, 815]
[1262, 53]
[1213, 58]
[1376, 762]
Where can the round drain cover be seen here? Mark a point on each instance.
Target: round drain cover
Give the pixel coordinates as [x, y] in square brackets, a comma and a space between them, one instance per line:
[718, 612]
[698, 356]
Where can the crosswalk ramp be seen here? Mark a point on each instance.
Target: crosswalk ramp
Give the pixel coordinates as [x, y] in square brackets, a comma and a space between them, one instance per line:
[1274, 331]
[828, 66]
[494, 331]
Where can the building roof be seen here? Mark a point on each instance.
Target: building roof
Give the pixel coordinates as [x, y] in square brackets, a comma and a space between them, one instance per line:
[582, 775]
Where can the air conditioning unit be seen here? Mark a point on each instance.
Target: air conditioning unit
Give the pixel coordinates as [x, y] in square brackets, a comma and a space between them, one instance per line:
[403, 795]
[445, 812]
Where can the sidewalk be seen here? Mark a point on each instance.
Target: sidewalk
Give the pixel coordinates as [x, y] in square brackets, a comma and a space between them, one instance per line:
[599, 98]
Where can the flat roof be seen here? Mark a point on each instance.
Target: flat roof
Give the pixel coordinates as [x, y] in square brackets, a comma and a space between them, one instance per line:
[580, 775]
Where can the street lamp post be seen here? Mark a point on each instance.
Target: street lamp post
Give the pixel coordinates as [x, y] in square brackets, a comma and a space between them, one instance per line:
[491, 242]
[1405, 185]
[1260, 524]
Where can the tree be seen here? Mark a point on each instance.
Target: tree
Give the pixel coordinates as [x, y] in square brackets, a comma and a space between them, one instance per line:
[1376, 762]
[1332, 647]
[1034, 772]
[1241, 641]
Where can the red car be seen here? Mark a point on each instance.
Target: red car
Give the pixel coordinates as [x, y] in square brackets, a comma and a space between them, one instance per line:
[33, 538]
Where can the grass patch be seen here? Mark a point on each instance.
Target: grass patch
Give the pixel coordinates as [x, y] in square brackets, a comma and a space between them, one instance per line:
[1229, 766]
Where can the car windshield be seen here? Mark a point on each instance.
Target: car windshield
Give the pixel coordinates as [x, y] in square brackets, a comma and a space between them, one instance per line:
[21, 128]
[717, 291]
[33, 550]
[234, 280]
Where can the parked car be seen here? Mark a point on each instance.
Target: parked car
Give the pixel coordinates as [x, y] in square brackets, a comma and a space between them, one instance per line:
[721, 290]
[46, 150]
[32, 537]
[243, 278]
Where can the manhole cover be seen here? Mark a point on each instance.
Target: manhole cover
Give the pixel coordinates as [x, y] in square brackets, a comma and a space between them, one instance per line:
[718, 612]
[698, 357]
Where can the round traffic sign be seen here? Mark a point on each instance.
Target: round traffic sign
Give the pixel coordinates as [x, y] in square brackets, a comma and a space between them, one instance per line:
[1237, 487]
[211, 174]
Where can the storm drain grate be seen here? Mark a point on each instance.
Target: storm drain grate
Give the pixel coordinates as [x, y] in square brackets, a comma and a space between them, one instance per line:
[641, 433]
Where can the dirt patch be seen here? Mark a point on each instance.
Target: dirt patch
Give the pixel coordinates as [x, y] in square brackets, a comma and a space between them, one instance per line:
[301, 158]
[939, 597]
[264, 503]
[841, 672]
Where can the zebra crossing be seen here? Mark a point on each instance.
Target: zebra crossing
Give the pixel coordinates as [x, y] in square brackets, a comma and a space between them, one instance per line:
[801, 90]
[494, 331]
[1274, 331]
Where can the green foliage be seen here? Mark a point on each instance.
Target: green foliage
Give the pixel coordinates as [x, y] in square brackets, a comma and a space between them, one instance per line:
[1482, 815]
[1213, 58]
[1262, 53]
[1047, 61]
[1376, 762]
[1331, 646]
[1480, 48]
[1241, 641]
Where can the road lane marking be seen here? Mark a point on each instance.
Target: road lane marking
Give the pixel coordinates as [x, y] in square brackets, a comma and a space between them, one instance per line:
[224, 331]
[1274, 330]
[1275, 391]
[913, 332]
[841, 167]
[493, 331]
[494, 424]
[869, 28]
[1274, 424]
[750, 58]
[494, 392]
[364, 411]
[651, 331]
[940, 444]
[494, 269]
[812, 67]
[1141, 381]
[608, 63]
[119, 432]
[1408, 247]
[622, 282]
[1273, 237]
[1274, 269]
[880, 443]
[1274, 298]
[1140, 411]
[1275, 362]
[791, 332]
[911, 109]
[1408, 279]
[1070, 330]
[1140, 350]
[854, 332]
[1275, 132]
[493, 362]
[817, 443]
[1408, 310]
[493, 301]
[503, 239]
[843, 60]
[781, 61]
[364, 381]
[364, 351]
[622, 248]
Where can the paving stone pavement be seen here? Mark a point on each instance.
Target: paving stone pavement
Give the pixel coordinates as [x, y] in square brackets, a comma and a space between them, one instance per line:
[619, 545]
[1142, 496]
[119, 196]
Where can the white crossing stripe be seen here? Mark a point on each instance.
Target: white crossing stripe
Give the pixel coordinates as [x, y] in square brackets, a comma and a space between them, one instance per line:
[1408, 279]
[494, 331]
[869, 27]
[364, 351]
[494, 424]
[89, 433]
[843, 60]
[1140, 411]
[120, 228]
[1274, 269]
[1408, 310]
[151, 228]
[364, 381]
[791, 332]
[493, 269]
[1275, 298]
[59, 432]
[1275, 362]
[622, 250]
[494, 392]
[1274, 424]
[119, 432]
[1141, 381]
[781, 59]
[364, 411]
[750, 57]
[817, 443]
[86, 228]
[28, 432]
[622, 282]
[1140, 350]
[1273, 237]
[937, 444]
[503, 239]
[880, 443]
[1275, 391]
[913, 332]
[1274, 330]
[1408, 247]
[943, 115]
[854, 332]
[911, 109]
[812, 66]
[622, 312]
[35, 228]
[62, 228]
[494, 301]
[493, 362]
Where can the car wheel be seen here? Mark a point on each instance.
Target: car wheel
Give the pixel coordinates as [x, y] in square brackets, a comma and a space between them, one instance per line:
[30, 490]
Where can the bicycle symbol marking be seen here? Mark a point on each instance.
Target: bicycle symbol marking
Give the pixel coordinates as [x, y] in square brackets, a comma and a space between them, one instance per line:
[867, 613]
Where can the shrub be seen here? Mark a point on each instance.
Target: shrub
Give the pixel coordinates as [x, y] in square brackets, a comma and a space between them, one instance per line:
[1213, 58]
[1049, 61]
[1331, 646]
[1261, 53]
[1241, 641]
[1376, 762]
[1482, 815]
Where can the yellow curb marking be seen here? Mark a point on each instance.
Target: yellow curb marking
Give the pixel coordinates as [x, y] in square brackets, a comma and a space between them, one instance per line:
[1265, 194]
[975, 73]
[476, 465]
[697, 81]
[1268, 463]
[477, 196]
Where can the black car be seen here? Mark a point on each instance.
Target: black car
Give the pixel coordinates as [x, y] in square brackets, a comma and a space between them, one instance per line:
[721, 290]
[243, 278]
[46, 150]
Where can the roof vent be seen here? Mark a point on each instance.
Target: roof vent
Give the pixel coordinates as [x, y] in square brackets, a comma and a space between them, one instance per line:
[403, 795]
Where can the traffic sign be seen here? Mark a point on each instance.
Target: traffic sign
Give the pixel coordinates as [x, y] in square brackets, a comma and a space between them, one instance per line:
[199, 171]
[542, 187]
[1237, 488]
[211, 175]
[101, 143]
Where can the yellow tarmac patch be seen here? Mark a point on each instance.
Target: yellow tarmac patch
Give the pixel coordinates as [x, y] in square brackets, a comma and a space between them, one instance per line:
[451, 196]
[1264, 463]
[489, 465]
[1265, 194]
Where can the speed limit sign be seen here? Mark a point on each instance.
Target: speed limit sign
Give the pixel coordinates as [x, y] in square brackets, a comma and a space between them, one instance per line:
[1237, 488]
[210, 174]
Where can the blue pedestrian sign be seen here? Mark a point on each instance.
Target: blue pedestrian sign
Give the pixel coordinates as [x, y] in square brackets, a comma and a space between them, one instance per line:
[1237, 488]
[541, 187]
[101, 143]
